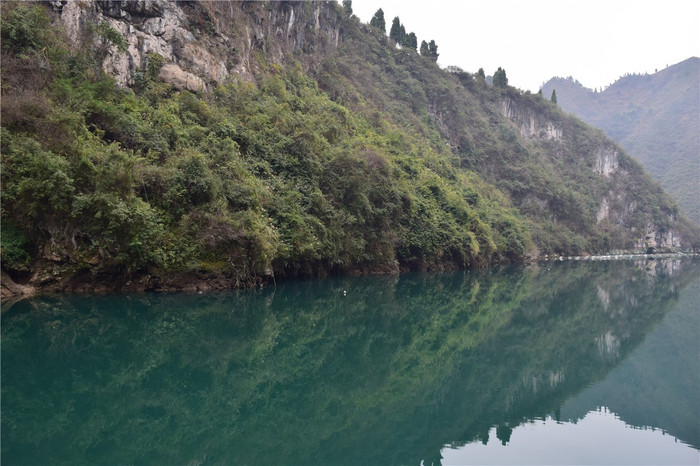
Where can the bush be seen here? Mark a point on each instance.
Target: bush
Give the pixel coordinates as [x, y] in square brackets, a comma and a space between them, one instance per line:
[13, 247]
[25, 29]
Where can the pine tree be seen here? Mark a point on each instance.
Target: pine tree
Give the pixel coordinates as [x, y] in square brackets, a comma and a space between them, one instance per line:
[395, 32]
[481, 73]
[432, 49]
[554, 96]
[378, 21]
[499, 78]
[424, 48]
[411, 41]
[347, 5]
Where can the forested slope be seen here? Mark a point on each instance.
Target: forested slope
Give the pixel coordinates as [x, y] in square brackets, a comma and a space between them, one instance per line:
[655, 118]
[310, 144]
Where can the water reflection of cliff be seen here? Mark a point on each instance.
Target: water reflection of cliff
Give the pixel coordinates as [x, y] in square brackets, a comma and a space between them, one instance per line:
[658, 385]
[302, 374]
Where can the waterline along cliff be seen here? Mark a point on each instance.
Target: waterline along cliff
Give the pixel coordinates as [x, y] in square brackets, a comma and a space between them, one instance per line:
[153, 145]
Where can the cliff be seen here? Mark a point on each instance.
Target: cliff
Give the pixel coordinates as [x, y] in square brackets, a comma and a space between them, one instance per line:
[205, 43]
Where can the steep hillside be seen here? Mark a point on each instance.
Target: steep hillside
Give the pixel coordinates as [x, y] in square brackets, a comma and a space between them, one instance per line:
[656, 118]
[161, 145]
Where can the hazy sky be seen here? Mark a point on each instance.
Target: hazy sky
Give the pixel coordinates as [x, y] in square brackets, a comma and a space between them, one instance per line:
[595, 41]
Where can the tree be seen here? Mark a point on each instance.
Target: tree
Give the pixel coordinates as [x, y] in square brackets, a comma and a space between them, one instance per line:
[481, 73]
[378, 21]
[432, 48]
[499, 78]
[411, 41]
[424, 48]
[539, 93]
[347, 5]
[429, 50]
[395, 32]
[108, 37]
[554, 96]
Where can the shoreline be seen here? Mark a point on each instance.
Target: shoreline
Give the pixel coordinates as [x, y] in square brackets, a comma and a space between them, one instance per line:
[198, 282]
[618, 256]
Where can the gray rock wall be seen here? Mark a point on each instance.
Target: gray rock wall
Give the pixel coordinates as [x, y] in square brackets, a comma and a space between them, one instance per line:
[205, 43]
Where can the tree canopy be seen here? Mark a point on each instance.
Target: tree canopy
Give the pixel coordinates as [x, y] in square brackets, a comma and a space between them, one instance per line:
[429, 50]
[411, 41]
[499, 78]
[396, 34]
[378, 20]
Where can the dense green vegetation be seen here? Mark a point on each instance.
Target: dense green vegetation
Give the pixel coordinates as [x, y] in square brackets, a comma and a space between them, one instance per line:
[551, 182]
[376, 160]
[251, 179]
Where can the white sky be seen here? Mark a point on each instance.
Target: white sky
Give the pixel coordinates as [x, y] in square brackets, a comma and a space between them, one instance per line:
[595, 41]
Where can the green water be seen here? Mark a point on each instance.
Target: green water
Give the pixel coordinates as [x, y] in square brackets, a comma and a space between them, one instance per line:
[569, 362]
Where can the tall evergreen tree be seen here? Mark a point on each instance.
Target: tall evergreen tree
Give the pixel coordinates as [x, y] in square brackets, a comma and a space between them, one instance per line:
[424, 49]
[347, 5]
[395, 32]
[432, 49]
[499, 78]
[411, 41]
[378, 21]
[554, 96]
[481, 73]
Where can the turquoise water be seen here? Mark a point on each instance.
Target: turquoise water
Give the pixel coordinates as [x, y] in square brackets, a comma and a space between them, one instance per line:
[561, 363]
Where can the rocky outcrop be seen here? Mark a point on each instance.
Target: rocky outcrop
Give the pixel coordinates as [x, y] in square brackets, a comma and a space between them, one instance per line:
[9, 289]
[205, 43]
[180, 79]
[531, 124]
[607, 161]
[657, 239]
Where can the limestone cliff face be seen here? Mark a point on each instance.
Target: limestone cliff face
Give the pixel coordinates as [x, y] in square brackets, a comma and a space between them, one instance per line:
[530, 123]
[658, 239]
[204, 43]
[607, 161]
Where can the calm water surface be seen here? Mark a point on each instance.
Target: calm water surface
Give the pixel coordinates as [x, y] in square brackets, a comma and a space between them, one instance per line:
[561, 363]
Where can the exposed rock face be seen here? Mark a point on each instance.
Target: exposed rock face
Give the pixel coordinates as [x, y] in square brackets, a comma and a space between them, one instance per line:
[173, 74]
[658, 239]
[603, 210]
[530, 124]
[607, 161]
[10, 289]
[204, 43]
[615, 209]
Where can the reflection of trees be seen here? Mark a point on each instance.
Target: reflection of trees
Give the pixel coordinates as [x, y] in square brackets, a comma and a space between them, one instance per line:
[401, 365]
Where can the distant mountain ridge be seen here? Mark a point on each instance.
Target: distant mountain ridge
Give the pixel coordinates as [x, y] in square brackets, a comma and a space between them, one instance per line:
[656, 118]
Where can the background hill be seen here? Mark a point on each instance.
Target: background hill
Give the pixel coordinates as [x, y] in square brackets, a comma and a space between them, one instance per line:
[168, 145]
[656, 118]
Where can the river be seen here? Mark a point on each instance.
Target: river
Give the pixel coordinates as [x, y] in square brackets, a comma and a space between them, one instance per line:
[554, 363]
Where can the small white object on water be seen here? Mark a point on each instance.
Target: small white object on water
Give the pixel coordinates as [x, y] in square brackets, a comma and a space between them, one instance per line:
[345, 293]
